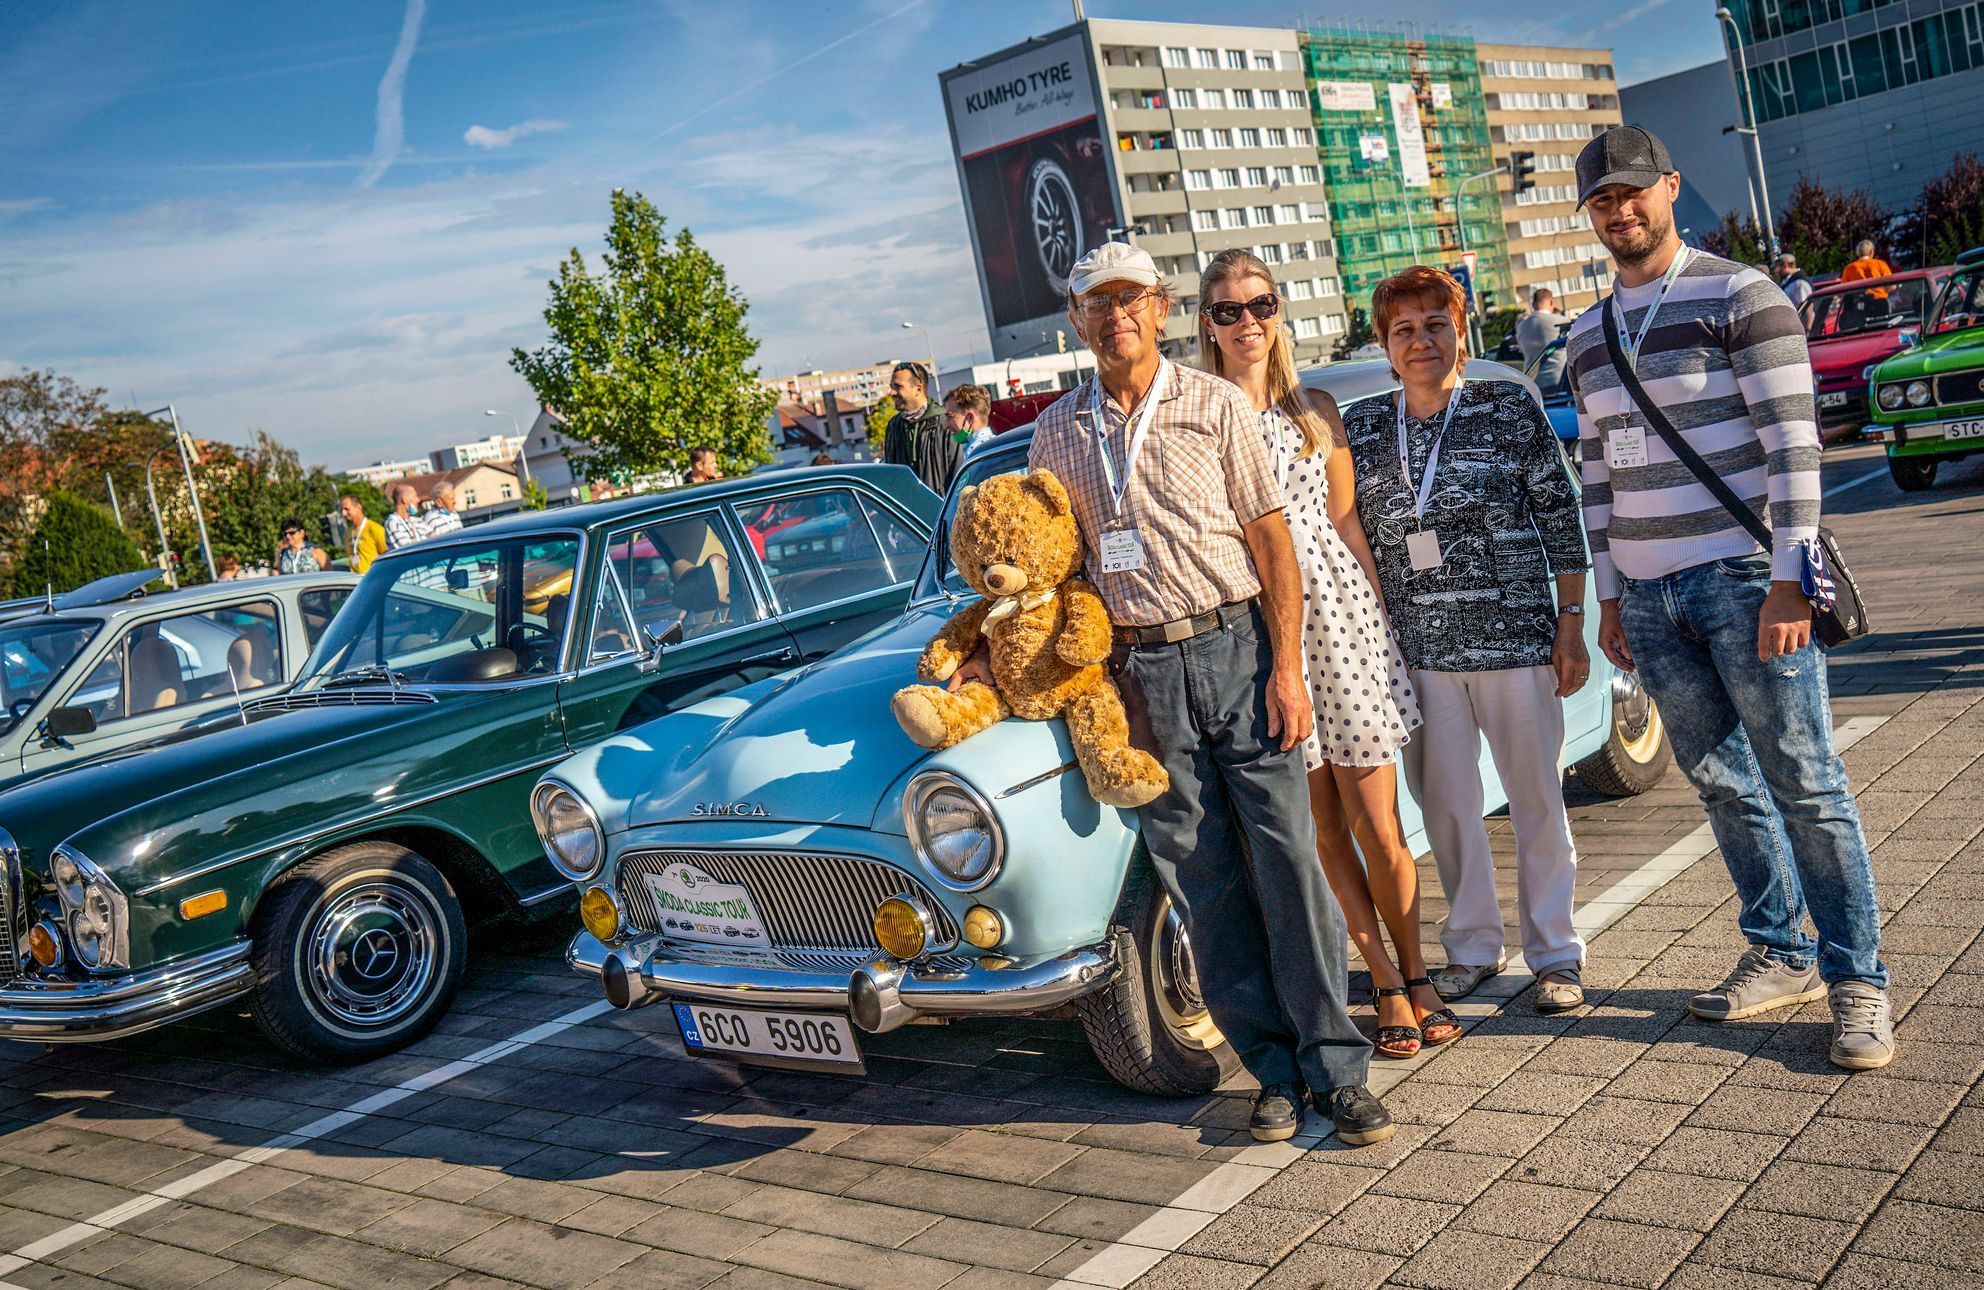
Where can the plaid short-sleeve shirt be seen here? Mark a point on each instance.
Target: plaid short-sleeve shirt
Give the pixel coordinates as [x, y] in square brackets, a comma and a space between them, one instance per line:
[1203, 473]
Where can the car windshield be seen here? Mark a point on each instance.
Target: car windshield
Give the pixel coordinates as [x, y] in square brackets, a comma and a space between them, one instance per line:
[1962, 304]
[31, 656]
[937, 577]
[463, 613]
[1833, 314]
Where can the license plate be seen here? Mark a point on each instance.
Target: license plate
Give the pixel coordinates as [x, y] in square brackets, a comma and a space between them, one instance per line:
[1963, 430]
[797, 1040]
[1837, 399]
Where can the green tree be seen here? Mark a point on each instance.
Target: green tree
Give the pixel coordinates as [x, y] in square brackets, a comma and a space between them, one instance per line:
[877, 424]
[1737, 239]
[650, 356]
[73, 543]
[1948, 218]
[1821, 226]
[1498, 323]
[1359, 332]
[535, 498]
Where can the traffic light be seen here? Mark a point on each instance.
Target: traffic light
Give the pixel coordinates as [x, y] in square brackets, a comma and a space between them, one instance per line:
[1522, 171]
[1061, 341]
[1013, 386]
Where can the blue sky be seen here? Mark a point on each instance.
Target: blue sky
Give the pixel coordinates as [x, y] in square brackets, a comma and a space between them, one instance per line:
[333, 221]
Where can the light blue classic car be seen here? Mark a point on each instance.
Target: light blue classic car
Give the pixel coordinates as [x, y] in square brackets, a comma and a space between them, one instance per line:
[786, 870]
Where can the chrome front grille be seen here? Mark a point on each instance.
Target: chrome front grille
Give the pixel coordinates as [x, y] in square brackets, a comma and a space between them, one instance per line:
[11, 912]
[810, 903]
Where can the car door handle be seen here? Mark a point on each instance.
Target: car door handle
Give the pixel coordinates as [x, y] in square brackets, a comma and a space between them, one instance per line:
[771, 657]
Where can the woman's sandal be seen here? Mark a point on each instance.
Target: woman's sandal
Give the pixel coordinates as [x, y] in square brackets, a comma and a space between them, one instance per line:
[1439, 1026]
[1396, 1041]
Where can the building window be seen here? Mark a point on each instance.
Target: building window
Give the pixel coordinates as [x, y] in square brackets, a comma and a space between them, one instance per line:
[1198, 179]
[1184, 99]
[1250, 137]
[1306, 329]
[1326, 287]
[1284, 174]
[1270, 98]
[1303, 136]
[1176, 57]
[1277, 137]
[1315, 210]
[1205, 221]
[1233, 217]
[1332, 324]
[1257, 176]
[1222, 138]
[1191, 139]
[1236, 60]
[1229, 177]
[1214, 99]
[1263, 60]
[1243, 99]
[1207, 57]
[1311, 175]
[1269, 254]
[1299, 289]
[1289, 214]
[1263, 216]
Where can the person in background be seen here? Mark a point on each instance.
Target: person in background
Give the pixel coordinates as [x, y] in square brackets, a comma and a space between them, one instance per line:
[1181, 513]
[1537, 328]
[1797, 287]
[1866, 265]
[1719, 629]
[1473, 520]
[441, 515]
[1364, 706]
[702, 465]
[823, 459]
[227, 569]
[968, 416]
[296, 553]
[403, 525]
[915, 436]
[365, 539]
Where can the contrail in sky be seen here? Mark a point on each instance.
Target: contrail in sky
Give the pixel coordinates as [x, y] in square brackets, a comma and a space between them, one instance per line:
[391, 136]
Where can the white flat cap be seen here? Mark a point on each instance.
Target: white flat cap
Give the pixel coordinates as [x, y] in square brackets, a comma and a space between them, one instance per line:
[1112, 262]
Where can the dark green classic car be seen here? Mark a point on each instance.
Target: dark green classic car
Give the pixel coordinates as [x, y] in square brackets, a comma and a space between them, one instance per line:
[322, 857]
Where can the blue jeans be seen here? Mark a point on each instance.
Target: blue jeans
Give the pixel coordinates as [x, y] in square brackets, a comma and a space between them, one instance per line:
[1755, 739]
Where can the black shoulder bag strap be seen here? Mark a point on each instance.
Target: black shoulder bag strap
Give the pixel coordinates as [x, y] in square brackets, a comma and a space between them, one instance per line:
[1834, 623]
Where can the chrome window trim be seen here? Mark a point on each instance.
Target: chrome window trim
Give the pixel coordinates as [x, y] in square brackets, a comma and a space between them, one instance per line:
[608, 574]
[734, 540]
[843, 485]
[921, 786]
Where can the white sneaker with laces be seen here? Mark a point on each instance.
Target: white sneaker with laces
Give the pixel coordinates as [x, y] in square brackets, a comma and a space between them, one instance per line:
[1757, 984]
[1862, 1026]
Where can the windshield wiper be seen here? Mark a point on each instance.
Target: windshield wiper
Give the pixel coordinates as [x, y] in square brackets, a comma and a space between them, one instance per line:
[361, 675]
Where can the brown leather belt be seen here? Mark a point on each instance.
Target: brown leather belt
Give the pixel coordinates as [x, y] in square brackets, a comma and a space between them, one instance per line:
[1184, 629]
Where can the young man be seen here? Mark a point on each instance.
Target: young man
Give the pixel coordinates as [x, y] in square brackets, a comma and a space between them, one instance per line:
[1720, 630]
[915, 436]
[403, 525]
[1797, 287]
[968, 416]
[1180, 508]
[702, 465]
[364, 540]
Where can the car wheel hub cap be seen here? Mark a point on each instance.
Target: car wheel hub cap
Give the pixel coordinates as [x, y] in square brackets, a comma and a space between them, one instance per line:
[370, 957]
[1634, 716]
[1176, 982]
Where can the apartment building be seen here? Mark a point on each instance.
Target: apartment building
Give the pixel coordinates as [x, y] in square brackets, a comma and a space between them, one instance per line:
[863, 385]
[1550, 102]
[495, 448]
[1187, 138]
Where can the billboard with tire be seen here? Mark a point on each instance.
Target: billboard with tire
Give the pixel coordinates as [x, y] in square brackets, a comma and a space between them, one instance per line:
[1038, 189]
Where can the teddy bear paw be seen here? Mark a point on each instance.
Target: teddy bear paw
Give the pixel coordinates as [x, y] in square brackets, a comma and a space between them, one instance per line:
[916, 709]
[1134, 793]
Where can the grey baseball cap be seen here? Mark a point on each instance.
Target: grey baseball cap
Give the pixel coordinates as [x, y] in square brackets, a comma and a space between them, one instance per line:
[1625, 154]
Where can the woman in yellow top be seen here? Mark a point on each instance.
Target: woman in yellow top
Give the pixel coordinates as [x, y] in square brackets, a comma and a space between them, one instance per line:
[365, 540]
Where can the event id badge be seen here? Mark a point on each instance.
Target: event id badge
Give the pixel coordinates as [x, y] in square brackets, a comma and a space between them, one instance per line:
[1423, 549]
[1625, 446]
[1122, 550]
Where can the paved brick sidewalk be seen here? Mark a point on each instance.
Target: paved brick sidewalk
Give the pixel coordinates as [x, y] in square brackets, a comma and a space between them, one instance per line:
[1623, 1144]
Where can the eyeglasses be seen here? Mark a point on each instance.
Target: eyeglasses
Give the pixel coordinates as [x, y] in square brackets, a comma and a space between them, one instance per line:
[1130, 302]
[1227, 312]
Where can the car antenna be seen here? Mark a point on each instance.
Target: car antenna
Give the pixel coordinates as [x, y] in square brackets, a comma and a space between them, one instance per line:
[50, 584]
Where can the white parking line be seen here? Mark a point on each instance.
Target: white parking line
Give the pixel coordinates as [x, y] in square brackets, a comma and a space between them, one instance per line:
[1141, 1248]
[178, 1189]
[1855, 482]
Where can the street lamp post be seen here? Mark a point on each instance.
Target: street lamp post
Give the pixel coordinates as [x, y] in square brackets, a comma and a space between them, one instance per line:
[523, 448]
[151, 491]
[192, 491]
[1460, 225]
[936, 388]
[1756, 137]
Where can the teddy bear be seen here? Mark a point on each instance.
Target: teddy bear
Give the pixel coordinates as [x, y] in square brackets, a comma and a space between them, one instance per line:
[1015, 541]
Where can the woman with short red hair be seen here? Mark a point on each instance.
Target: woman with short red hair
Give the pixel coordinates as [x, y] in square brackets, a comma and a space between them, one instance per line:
[1471, 515]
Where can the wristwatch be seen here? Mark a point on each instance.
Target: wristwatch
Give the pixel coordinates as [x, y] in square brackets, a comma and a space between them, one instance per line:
[1576, 611]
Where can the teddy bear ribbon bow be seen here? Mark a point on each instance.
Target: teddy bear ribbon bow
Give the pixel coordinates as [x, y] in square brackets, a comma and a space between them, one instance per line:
[1006, 606]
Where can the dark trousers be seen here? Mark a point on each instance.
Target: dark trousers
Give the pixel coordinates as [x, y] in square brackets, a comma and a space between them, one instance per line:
[1234, 843]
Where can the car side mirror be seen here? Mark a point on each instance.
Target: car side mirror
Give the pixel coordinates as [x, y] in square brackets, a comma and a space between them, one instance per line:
[62, 724]
[1909, 337]
[658, 643]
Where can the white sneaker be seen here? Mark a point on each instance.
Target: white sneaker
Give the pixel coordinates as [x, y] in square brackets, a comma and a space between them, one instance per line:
[1757, 984]
[1862, 1026]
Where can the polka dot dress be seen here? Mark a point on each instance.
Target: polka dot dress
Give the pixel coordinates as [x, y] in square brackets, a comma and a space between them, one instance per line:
[1365, 709]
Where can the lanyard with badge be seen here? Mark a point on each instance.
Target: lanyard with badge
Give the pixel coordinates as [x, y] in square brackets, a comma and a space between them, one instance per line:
[1625, 445]
[1422, 545]
[1122, 546]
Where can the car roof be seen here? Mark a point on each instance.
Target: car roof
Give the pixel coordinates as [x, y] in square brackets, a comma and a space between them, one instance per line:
[207, 593]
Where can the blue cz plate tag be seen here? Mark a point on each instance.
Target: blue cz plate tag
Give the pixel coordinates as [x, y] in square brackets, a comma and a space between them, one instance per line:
[792, 1040]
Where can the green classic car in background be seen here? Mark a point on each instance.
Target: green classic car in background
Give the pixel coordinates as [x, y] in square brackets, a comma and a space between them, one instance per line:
[1928, 401]
[322, 857]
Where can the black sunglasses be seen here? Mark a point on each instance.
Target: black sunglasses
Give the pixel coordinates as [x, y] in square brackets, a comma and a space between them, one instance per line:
[1227, 312]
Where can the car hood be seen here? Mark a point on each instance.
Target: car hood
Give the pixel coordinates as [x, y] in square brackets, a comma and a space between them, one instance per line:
[819, 746]
[1843, 357]
[1950, 351]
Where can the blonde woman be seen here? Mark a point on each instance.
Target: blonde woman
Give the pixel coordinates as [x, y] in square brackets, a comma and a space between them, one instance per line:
[1365, 709]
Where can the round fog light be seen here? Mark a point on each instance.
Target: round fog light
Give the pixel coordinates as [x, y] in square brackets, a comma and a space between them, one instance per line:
[44, 945]
[983, 927]
[901, 928]
[596, 911]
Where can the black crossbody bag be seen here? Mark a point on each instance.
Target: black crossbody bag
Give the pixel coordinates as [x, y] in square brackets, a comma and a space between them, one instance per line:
[1834, 624]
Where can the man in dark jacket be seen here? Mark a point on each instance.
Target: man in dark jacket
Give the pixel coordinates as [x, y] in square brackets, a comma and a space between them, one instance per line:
[916, 437]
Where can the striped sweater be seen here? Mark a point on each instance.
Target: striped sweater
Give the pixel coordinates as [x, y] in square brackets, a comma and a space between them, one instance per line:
[1726, 361]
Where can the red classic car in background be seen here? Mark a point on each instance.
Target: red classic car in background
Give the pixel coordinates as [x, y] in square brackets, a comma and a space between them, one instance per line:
[1850, 326]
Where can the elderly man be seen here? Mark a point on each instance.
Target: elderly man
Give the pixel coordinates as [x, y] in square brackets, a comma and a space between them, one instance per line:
[403, 525]
[441, 516]
[1180, 507]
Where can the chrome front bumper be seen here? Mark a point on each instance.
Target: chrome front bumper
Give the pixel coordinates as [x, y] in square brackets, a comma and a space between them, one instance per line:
[55, 1012]
[879, 995]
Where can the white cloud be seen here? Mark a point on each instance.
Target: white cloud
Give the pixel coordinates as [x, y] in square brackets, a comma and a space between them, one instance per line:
[390, 135]
[481, 136]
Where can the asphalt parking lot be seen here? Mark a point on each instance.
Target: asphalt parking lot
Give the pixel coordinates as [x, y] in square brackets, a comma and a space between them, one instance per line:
[541, 1139]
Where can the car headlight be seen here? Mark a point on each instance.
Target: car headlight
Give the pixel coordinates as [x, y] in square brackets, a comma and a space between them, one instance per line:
[954, 830]
[1889, 396]
[93, 909]
[569, 830]
[1918, 394]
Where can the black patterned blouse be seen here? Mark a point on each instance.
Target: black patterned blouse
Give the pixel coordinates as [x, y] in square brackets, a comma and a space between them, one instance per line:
[1507, 516]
